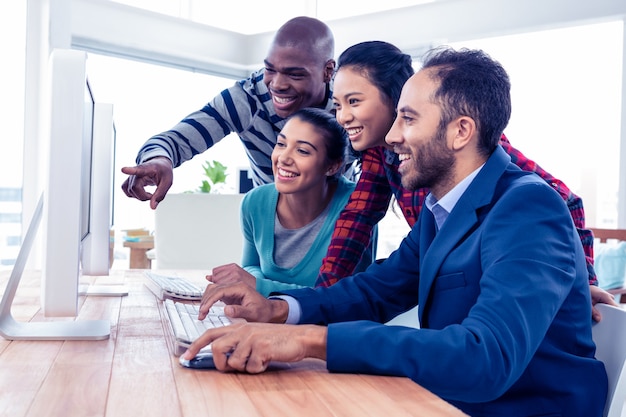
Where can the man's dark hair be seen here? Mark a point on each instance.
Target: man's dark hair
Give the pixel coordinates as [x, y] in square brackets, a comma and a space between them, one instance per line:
[471, 84]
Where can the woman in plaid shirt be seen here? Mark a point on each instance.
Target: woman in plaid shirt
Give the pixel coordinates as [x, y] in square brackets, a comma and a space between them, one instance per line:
[366, 89]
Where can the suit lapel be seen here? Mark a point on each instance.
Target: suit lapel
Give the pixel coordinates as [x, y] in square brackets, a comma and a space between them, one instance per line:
[462, 219]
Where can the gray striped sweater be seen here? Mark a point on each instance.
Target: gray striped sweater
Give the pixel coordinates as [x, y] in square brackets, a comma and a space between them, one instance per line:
[246, 108]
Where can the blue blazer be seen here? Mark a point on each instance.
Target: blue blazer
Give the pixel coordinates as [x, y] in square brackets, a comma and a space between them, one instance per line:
[504, 305]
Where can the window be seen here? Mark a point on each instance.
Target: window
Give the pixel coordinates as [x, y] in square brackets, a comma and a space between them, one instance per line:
[566, 94]
[149, 99]
[12, 42]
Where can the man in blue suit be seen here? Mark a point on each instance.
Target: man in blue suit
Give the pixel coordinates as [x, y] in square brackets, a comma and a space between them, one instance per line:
[494, 264]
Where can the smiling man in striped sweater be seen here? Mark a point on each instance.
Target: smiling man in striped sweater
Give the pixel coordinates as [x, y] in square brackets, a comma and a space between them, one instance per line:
[298, 70]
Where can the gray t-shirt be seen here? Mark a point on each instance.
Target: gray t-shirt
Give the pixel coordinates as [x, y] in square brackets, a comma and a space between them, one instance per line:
[291, 245]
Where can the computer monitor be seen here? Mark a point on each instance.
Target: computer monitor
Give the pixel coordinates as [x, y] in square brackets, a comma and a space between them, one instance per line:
[97, 220]
[75, 208]
[245, 181]
[97, 211]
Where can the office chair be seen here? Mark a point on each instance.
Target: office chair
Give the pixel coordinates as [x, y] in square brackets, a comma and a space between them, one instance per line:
[609, 336]
[197, 231]
[604, 235]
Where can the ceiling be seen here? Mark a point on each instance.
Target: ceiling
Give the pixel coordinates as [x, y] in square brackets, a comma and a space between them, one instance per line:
[413, 26]
[242, 15]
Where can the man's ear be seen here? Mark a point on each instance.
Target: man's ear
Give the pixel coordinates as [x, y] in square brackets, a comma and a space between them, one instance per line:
[329, 70]
[464, 130]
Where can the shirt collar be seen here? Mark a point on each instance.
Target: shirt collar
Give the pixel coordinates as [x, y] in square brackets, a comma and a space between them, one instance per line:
[449, 200]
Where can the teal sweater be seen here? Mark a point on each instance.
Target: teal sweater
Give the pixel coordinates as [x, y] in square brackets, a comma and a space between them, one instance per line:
[258, 213]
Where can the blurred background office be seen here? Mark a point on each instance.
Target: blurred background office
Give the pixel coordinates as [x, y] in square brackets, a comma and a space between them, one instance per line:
[565, 59]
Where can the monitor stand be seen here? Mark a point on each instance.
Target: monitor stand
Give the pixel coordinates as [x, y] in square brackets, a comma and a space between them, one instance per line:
[103, 290]
[12, 329]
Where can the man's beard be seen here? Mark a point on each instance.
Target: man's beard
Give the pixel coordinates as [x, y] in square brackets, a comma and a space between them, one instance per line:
[433, 165]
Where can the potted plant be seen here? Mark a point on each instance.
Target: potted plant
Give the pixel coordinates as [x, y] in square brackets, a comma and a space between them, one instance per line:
[215, 173]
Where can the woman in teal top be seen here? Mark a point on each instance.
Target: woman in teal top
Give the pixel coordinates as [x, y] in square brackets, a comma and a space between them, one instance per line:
[287, 225]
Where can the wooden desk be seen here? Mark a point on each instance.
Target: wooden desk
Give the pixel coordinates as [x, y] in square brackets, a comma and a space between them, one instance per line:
[138, 257]
[134, 373]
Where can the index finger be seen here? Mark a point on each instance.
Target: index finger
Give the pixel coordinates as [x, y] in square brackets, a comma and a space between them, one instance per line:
[138, 171]
[211, 296]
[206, 339]
[135, 183]
[131, 170]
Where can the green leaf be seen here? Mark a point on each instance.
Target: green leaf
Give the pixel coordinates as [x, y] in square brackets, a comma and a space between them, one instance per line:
[205, 187]
[216, 174]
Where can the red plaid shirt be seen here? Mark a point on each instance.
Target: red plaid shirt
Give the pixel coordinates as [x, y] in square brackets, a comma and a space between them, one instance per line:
[380, 180]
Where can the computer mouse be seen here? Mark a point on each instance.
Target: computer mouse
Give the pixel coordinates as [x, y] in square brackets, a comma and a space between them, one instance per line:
[200, 361]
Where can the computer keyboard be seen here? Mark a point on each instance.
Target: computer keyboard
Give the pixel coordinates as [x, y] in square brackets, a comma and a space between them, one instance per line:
[172, 287]
[185, 326]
